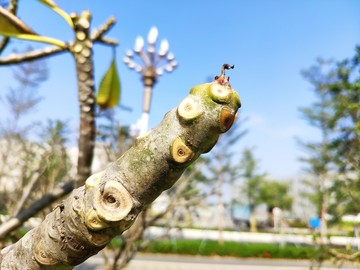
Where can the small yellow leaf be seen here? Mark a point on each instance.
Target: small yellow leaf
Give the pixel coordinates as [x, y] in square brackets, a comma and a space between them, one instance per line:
[12, 26]
[51, 4]
[9, 23]
[109, 90]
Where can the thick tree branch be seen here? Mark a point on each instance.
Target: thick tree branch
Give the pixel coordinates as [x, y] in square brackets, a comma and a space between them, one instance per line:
[110, 201]
[128, 248]
[15, 222]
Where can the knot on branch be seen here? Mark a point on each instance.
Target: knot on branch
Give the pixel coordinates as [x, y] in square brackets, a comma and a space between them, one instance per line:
[110, 202]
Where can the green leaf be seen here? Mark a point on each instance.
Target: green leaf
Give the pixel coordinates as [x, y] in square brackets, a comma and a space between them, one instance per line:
[109, 89]
[51, 4]
[12, 26]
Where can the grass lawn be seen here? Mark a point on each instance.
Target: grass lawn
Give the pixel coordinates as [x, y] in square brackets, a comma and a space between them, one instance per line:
[234, 249]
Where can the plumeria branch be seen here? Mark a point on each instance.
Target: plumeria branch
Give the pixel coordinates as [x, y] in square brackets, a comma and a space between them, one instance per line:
[96, 36]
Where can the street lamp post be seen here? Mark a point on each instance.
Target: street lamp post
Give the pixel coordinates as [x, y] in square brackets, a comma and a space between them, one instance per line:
[152, 64]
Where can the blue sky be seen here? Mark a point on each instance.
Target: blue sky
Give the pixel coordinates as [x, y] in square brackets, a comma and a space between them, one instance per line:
[269, 42]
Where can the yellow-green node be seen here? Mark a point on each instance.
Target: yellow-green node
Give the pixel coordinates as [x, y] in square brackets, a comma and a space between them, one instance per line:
[93, 180]
[42, 256]
[180, 152]
[112, 202]
[93, 221]
[199, 90]
[188, 110]
[226, 119]
[236, 99]
[220, 93]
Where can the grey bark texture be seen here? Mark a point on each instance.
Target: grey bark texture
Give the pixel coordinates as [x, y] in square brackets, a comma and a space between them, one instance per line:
[110, 201]
[83, 54]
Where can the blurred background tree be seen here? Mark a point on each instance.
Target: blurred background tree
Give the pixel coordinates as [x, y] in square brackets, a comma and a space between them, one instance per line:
[334, 162]
[250, 183]
[223, 172]
[319, 154]
[33, 156]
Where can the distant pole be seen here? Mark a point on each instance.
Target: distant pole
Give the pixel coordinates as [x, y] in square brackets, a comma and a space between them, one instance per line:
[152, 64]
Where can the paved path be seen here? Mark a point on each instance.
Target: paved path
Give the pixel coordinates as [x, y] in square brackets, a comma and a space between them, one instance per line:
[174, 262]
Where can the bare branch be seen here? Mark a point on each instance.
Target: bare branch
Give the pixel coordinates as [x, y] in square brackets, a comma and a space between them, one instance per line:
[26, 194]
[354, 257]
[15, 58]
[107, 41]
[35, 207]
[97, 34]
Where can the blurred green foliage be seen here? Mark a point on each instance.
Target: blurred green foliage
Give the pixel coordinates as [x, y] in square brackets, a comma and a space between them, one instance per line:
[234, 249]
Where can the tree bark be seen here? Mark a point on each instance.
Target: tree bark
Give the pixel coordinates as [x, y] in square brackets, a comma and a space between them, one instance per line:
[83, 55]
[110, 201]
